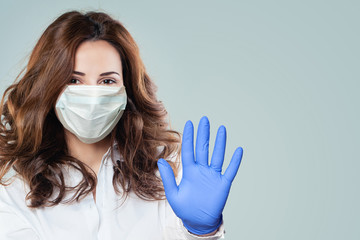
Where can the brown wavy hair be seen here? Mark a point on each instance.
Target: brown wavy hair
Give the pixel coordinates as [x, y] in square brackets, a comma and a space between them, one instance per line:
[32, 139]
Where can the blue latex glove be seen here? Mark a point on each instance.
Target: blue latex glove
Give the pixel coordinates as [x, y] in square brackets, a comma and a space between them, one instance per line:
[201, 195]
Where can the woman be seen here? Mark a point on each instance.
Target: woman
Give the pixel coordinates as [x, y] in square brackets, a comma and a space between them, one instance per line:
[86, 151]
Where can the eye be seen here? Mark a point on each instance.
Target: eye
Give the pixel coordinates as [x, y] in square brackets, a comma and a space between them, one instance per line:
[108, 81]
[74, 81]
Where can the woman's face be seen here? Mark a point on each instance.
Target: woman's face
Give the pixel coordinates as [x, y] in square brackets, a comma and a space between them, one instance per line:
[97, 63]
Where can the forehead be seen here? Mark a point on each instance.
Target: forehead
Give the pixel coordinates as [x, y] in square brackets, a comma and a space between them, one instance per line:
[97, 55]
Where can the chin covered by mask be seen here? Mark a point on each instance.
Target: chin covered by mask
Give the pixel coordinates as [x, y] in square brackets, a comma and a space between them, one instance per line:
[90, 112]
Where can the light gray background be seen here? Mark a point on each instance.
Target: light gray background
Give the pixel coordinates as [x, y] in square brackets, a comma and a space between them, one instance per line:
[282, 76]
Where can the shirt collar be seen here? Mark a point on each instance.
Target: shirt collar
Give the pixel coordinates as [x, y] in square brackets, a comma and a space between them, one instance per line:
[116, 154]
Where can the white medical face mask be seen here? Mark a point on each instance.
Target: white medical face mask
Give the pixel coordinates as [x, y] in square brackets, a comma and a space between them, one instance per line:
[89, 111]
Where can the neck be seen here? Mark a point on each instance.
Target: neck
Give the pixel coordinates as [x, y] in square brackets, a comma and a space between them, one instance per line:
[90, 154]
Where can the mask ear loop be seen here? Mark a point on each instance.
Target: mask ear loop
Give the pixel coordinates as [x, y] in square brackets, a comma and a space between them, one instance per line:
[59, 95]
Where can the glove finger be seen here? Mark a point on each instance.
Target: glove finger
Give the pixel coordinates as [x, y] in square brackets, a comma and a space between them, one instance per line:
[187, 148]
[234, 165]
[217, 158]
[202, 142]
[168, 178]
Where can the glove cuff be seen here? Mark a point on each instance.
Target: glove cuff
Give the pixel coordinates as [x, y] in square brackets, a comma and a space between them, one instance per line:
[204, 230]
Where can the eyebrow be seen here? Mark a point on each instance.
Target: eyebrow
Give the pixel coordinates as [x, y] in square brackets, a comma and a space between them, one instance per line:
[102, 74]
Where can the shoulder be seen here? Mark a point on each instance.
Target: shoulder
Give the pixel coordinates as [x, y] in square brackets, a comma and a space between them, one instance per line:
[15, 192]
[13, 204]
[14, 214]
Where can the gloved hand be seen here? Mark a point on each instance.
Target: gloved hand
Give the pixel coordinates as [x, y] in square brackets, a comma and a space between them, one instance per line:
[201, 195]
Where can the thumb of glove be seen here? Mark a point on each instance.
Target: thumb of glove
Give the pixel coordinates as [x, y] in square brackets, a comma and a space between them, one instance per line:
[168, 179]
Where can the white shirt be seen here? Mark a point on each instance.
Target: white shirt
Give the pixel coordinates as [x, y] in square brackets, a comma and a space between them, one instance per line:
[105, 219]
